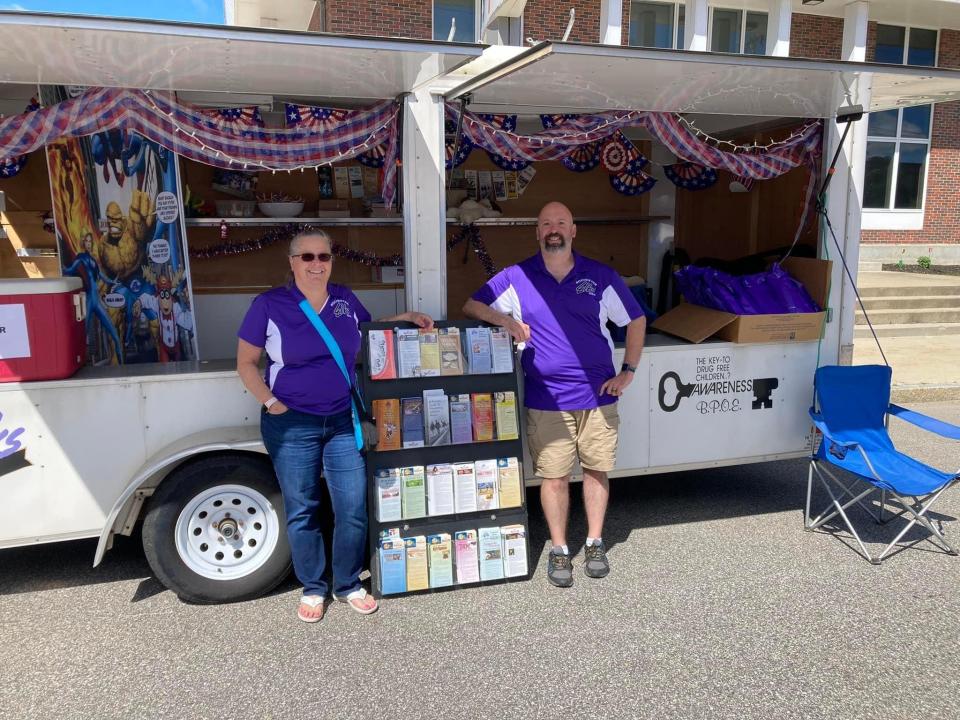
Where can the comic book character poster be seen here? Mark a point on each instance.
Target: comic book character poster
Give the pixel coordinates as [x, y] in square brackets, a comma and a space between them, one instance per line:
[118, 223]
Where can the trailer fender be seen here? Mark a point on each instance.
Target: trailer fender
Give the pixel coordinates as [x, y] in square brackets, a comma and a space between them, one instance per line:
[127, 507]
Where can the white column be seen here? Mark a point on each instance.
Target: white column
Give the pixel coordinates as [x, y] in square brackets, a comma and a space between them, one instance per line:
[611, 22]
[424, 204]
[696, 25]
[778, 28]
[845, 196]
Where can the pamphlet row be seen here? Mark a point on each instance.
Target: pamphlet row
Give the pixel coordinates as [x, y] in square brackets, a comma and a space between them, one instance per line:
[417, 352]
[436, 561]
[445, 488]
[439, 419]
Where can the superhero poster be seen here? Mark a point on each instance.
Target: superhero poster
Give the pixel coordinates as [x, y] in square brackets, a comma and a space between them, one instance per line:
[118, 223]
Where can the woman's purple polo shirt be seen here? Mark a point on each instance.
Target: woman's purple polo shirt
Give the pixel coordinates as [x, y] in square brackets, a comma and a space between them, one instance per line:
[301, 372]
[570, 352]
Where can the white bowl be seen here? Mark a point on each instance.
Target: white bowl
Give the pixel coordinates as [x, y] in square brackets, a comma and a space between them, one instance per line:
[281, 209]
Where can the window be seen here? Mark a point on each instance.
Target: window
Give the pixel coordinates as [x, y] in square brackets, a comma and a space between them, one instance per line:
[653, 24]
[736, 31]
[898, 141]
[464, 12]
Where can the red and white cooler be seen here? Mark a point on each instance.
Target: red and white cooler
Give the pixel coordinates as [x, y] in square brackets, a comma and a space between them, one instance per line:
[42, 330]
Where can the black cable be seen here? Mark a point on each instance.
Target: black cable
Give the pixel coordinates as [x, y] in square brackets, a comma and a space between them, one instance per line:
[456, 141]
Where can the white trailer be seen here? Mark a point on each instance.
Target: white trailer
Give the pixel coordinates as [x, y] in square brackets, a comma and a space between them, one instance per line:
[178, 446]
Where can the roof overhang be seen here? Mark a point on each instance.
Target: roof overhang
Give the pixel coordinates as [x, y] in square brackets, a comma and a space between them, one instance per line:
[72, 50]
[570, 77]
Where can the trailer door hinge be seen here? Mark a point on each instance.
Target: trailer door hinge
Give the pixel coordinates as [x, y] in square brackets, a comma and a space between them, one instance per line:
[829, 315]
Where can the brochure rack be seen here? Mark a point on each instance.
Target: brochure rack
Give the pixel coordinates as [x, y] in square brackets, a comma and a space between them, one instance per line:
[465, 452]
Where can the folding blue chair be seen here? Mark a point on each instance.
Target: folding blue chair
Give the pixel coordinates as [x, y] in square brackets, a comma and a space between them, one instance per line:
[854, 405]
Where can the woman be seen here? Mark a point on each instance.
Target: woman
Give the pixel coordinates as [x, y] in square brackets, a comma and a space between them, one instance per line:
[306, 421]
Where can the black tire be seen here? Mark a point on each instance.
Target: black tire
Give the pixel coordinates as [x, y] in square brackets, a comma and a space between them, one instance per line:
[177, 492]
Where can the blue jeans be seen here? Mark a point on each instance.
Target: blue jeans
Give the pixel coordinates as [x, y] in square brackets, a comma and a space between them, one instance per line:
[300, 444]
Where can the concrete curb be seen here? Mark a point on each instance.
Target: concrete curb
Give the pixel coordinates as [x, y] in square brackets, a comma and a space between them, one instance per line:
[924, 393]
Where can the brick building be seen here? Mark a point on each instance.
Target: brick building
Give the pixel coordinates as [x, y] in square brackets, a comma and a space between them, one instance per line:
[913, 156]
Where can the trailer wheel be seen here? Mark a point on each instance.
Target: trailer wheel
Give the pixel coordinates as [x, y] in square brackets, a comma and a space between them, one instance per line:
[215, 530]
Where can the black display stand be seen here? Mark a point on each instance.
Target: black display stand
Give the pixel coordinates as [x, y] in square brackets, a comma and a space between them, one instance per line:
[465, 452]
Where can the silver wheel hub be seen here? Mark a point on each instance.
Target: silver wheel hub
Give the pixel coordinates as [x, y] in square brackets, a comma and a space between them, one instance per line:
[227, 532]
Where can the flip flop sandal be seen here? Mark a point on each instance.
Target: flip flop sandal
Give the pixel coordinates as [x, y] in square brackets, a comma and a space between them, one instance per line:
[311, 601]
[358, 595]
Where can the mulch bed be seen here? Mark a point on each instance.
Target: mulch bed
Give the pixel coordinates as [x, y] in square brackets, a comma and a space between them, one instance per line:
[932, 270]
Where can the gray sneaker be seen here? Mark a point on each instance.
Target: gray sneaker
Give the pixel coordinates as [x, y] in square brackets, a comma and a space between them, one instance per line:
[595, 565]
[559, 569]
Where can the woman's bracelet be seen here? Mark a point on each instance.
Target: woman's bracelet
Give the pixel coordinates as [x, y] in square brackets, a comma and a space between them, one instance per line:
[269, 402]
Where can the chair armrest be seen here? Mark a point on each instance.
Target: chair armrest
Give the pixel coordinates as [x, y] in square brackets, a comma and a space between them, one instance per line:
[939, 427]
[822, 427]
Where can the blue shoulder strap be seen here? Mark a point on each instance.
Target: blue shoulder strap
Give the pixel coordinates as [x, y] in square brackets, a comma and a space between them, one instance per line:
[337, 354]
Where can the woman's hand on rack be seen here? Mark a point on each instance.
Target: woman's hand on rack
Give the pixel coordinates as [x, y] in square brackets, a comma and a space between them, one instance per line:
[419, 319]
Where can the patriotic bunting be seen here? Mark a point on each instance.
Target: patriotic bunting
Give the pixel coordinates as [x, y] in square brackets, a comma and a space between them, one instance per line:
[690, 176]
[235, 118]
[633, 180]
[310, 116]
[11, 167]
[324, 138]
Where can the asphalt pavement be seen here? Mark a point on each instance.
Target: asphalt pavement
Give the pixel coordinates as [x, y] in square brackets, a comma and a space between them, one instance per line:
[719, 605]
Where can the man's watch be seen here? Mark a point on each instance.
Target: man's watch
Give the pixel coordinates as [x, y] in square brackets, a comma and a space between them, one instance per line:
[627, 367]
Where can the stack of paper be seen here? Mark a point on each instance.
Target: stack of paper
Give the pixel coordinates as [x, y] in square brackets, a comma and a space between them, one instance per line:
[451, 351]
[465, 543]
[502, 350]
[440, 560]
[417, 575]
[413, 492]
[388, 495]
[505, 404]
[461, 421]
[436, 417]
[479, 352]
[488, 497]
[464, 487]
[387, 413]
[393, 567]
[411, 410]
[514, 550]
[429, 353]
[491, 554]
[382, 363]
[508, 476]
[481, 405]
[440, 489]
[408, 352]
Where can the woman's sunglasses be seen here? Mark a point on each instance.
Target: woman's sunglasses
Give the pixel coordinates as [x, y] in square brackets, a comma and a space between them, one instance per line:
[310, 257]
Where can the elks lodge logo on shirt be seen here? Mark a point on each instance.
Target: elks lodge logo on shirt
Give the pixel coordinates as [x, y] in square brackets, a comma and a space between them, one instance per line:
[586, 287]
[341, 308]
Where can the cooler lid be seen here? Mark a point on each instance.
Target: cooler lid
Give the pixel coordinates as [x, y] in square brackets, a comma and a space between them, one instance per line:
[39, 286]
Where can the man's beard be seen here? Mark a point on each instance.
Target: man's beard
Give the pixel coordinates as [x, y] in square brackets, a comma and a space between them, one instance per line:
[550, 243]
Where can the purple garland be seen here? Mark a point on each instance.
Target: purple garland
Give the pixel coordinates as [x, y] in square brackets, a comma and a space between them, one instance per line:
[471, 234]
[283, 234]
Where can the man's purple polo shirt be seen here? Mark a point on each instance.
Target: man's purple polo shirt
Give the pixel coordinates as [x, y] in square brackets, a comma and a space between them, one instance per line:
[570, 352]
[301, 372]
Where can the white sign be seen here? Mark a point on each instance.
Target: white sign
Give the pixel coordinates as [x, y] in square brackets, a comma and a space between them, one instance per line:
[114, 300]
[14, 340]
[167, 207]
[716, 402]
[159, 251]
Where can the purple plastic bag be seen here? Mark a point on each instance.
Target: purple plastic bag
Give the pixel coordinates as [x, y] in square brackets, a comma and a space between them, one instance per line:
[725, 295]
[763, 298]
[794, 295]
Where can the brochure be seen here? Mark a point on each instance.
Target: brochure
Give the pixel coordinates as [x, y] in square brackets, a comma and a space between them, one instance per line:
[506, 411]
[440, 556]
[417, 575]
[408, 352]
[411, 412]
[381, 354]
[387, 413]
[436, 417]
[465, 543]
[440, 489]
[481, 405]
[491, 554]
[479, 357]
[514, 550]
[389, 507]
[393, 567]
[429, 353]
[464, 487]
[461, 421]
[451, 351]
[508, 477]
[502, 349]
[486, 473]
[413, 492]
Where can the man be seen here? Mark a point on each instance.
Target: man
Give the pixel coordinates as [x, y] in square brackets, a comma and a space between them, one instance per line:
[557, 303]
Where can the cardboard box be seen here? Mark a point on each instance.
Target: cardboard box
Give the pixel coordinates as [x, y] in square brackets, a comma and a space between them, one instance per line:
[695, 323]
[388, 274]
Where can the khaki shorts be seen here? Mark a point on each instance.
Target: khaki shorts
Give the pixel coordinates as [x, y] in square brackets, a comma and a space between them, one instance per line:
[557, 438]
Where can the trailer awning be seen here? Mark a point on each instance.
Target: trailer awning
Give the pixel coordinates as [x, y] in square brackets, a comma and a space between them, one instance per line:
[569, 77]
[72, 50]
